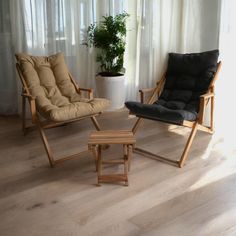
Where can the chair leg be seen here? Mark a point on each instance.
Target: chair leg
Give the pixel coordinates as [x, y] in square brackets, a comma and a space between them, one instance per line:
[46, 146]
[95, 122]
[130, 155]
[183, 158]
[136, 125]
[155, 156]
[23, 115]
[98, 128]
[49, 151]
[188, 145]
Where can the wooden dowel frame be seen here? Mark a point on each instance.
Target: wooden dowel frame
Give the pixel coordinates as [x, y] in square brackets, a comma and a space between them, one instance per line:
[42, 125]
[194, 125]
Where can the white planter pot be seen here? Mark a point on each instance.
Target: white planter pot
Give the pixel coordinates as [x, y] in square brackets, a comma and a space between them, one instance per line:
[113, 89]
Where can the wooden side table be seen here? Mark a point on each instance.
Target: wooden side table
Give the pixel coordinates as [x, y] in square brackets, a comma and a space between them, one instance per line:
[98, 139]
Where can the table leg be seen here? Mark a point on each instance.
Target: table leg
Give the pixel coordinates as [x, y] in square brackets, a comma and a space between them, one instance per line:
[126, 165]
[125, 151]
[95, 154]
[130, 155]
[99, 163]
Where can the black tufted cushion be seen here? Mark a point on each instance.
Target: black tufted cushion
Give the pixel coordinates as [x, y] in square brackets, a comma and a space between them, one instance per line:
[188, 77]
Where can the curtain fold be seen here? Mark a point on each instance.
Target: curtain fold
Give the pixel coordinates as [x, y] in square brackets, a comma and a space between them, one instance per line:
[8, 84]
[165, 26]
[155, 27]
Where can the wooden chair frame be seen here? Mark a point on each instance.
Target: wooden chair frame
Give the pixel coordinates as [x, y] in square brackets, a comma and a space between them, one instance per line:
[41, 124]
[194, 125]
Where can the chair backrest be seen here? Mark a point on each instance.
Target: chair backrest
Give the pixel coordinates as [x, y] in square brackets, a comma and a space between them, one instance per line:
[188, 76]
[47, 79]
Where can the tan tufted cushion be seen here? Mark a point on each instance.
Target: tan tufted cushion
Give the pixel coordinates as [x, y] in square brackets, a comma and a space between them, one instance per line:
[56, 97]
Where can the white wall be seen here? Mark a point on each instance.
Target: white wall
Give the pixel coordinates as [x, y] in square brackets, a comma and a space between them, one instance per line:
[210, 23]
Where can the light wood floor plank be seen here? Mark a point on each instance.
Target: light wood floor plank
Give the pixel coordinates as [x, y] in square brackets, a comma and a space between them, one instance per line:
[35, 199]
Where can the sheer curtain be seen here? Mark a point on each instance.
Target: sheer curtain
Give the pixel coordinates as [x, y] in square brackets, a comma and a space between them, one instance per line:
[162, 26]
[8, 85]
[44, 27]
[155, 27]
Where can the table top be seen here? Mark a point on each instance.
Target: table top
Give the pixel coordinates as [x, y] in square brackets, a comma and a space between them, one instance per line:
[112, 137]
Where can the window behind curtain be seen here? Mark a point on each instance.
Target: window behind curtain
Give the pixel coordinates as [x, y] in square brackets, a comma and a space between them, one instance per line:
[45, 19]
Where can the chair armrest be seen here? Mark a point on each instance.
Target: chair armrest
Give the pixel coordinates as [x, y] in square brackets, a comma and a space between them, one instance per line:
[89, 91]
[207, 96]
[143, 91]
[28, 96]
[203, 102]
[155, 89]
[146, 90]
[79, 90]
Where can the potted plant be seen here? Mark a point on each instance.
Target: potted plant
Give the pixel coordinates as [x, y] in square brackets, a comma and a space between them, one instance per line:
[108, 37]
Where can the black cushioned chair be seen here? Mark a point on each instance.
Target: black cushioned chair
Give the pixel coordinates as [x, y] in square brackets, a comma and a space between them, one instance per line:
[180, 96]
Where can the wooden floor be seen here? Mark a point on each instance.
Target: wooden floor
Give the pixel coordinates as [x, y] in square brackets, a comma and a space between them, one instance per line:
[199, 199]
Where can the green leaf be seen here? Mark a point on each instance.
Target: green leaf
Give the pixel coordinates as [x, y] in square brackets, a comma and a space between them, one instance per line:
[109, 37]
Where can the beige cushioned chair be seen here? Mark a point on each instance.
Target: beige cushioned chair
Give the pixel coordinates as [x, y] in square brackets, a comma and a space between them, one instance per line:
[54, 96]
